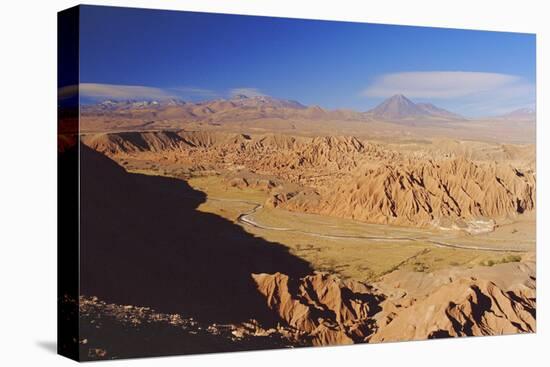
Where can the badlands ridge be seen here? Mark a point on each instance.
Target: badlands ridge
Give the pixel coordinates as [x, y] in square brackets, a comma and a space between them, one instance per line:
[445, 205]
[349, 177]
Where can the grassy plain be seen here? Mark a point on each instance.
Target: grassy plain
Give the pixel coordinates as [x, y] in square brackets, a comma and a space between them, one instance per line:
[341, 245]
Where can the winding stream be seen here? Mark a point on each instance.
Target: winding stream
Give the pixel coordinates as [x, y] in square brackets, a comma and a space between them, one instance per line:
[247, 219]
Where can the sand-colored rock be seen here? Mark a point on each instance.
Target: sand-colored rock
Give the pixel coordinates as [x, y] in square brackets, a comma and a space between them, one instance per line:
[413, 173]
[327, 309]
[463, 308]
[423, 193]
[347, 177]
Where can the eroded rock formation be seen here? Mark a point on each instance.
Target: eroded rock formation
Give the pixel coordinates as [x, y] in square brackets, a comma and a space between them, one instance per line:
[327, 310]
[347, 177]
[463, 308]
[321, 307]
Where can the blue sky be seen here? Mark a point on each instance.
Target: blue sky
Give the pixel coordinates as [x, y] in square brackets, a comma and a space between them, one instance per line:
[146, 54]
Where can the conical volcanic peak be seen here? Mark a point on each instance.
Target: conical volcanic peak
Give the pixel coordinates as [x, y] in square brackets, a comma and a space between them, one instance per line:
[399, 107]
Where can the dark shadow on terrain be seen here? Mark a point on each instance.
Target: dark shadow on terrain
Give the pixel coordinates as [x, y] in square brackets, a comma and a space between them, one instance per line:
[153, 339]
[144, 243]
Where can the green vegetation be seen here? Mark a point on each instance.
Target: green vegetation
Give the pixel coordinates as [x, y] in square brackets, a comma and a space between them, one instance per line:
[504, 260]
[315, 238]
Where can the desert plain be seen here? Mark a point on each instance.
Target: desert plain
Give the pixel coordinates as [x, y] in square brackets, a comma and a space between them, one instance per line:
[256, 222]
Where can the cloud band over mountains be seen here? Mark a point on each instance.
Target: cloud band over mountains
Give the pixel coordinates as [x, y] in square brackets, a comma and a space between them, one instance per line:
[100, 91]
[439, 84]
[474, 93]
[95, 90]
[469, 93]
[116, 91]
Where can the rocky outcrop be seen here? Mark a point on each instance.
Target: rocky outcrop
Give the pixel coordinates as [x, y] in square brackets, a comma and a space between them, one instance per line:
[134, 142]
[463, 308]
[345, 176]
[423, 193]
[324, 309]
[114, 331]
[321, 307]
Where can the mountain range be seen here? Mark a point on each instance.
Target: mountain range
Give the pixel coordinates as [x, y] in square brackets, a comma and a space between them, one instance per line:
[397, 108]
[521, 114]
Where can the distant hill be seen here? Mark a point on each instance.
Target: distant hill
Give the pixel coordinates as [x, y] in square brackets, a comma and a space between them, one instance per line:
[266, 101]
[399, 107]
[245, 108]
[239, 101]
[435, 111]
[130, 104]
[521, 114]
[238, 108]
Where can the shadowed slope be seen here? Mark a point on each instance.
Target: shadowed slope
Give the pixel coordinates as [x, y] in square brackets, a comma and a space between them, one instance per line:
[144, 243]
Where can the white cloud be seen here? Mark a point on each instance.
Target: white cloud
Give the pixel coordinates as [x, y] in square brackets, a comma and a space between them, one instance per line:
[115, 91]
[438, 84]
[140, 92]
[249, 92]
[471, 93]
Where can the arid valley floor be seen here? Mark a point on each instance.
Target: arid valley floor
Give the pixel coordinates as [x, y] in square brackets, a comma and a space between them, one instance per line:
[256, 223]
